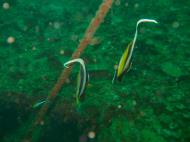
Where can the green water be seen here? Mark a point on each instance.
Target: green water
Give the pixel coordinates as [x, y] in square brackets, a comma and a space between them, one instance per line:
[150, 104]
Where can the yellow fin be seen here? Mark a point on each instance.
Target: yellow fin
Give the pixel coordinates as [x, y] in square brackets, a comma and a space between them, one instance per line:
[123, 60]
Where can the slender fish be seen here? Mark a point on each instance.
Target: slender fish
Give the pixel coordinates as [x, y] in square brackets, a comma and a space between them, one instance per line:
[82, 77]
[38, 104]
[125, 60]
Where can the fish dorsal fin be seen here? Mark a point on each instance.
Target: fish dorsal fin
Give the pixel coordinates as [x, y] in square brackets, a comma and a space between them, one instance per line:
[135, 37]
[136, 31]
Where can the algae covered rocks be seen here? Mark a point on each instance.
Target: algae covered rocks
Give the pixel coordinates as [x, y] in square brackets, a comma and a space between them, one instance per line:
[171, 69]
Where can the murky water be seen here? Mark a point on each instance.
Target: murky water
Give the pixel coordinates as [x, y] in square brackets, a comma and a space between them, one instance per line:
[139, 83]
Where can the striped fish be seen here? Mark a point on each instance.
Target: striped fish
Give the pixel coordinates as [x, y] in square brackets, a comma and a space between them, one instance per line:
[82, 78]
[125, 60]
[36, 105]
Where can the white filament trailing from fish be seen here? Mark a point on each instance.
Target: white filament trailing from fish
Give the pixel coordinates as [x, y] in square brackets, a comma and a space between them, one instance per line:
[135, 37]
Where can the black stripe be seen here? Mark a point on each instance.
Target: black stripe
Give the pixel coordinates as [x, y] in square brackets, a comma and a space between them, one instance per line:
[119, 78]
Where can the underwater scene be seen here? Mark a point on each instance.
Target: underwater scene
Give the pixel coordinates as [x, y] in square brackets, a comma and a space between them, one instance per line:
[94, 71]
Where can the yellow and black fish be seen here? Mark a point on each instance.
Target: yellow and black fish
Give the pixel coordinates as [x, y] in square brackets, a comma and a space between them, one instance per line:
[82, 78]
[124, 63]
[125, 60]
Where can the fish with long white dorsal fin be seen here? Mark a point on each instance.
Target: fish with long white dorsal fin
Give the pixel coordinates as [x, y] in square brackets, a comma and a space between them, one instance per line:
[82, 78]
[125, 61]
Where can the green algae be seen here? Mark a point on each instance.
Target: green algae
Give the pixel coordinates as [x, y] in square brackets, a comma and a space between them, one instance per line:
[171, 69]
[150, 104]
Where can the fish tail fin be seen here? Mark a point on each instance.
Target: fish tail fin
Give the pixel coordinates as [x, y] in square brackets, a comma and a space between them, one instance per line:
[114, 77]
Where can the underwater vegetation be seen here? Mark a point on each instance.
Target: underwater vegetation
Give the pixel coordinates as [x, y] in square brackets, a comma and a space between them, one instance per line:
[48, 48]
